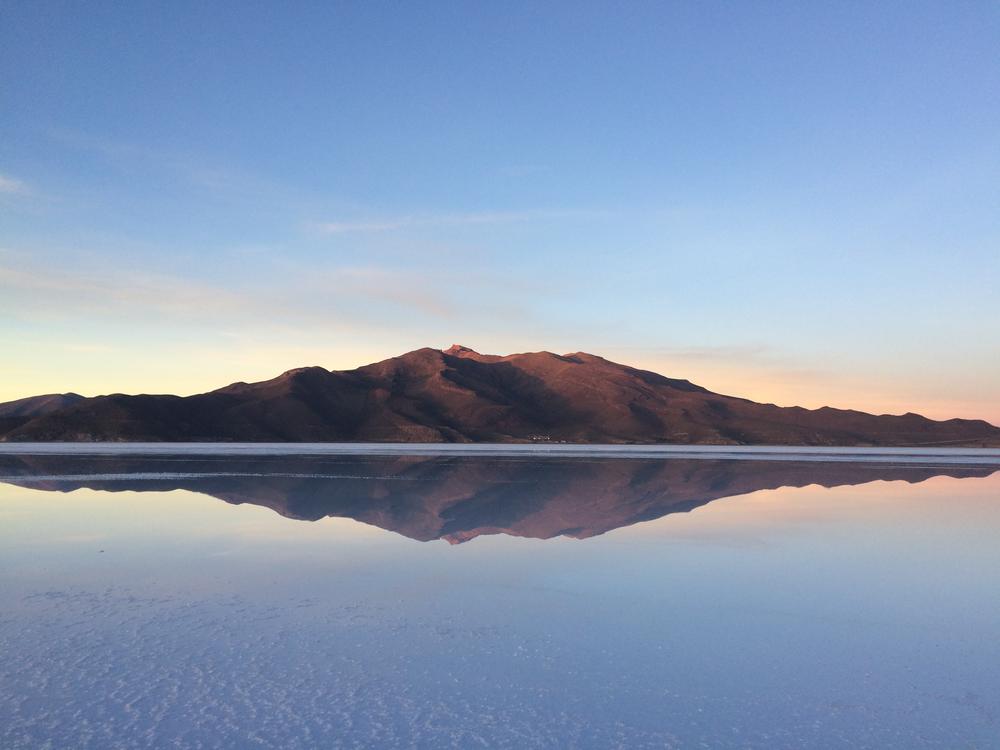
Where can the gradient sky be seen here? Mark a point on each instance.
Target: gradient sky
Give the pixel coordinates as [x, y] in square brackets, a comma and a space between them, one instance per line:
[789, 202]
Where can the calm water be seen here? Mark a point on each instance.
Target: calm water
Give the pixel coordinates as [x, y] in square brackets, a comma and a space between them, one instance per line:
[233, 601]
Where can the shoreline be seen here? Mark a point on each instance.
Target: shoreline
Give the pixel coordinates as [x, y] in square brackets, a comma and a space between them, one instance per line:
[989, 456]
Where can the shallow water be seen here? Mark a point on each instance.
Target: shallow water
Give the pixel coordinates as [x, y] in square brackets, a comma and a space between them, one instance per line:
[517, 601]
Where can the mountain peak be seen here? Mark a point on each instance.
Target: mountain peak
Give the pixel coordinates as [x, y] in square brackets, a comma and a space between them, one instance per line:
[35, 406]
[457, 350]
[458, 395]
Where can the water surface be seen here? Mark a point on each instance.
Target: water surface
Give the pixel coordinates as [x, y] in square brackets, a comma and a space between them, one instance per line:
[360, 600]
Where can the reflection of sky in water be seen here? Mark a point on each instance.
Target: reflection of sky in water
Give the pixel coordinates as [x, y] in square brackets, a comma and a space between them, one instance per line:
[861, 616]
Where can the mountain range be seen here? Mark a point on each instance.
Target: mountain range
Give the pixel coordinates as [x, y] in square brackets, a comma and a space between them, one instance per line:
[459, 395]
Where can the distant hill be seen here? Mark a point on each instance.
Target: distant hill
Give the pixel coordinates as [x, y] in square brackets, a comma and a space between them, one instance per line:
[459, 395]
[35, 406]
[13, 414]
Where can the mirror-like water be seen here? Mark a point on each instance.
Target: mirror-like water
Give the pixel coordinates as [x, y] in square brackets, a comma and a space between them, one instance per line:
[497, 601]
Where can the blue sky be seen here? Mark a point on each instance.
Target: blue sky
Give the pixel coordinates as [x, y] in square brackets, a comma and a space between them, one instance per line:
[794, 203]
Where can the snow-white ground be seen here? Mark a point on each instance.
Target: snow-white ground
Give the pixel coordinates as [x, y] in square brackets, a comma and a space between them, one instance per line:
[756, 453]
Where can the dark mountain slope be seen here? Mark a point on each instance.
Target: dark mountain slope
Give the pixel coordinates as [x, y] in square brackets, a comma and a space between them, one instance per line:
[13, 414]
[34, 406]
[458, 395]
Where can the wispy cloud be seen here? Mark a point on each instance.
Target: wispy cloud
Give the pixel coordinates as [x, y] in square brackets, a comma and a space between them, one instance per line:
[400, 290]
[408, 221]
[309, 297]
[190, 169]
[53, 290]
[12, 186]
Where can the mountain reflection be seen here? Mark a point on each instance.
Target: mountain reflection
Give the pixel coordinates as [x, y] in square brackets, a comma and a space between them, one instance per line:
[459, 498]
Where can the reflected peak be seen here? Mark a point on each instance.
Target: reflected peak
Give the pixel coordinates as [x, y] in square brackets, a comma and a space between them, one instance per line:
[455, 498]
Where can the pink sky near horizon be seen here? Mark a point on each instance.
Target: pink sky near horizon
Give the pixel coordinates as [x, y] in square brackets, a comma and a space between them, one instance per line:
[98, 370]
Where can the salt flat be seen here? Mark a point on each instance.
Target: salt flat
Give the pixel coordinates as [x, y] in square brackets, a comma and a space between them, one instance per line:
[798, 616]
[979, 456]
